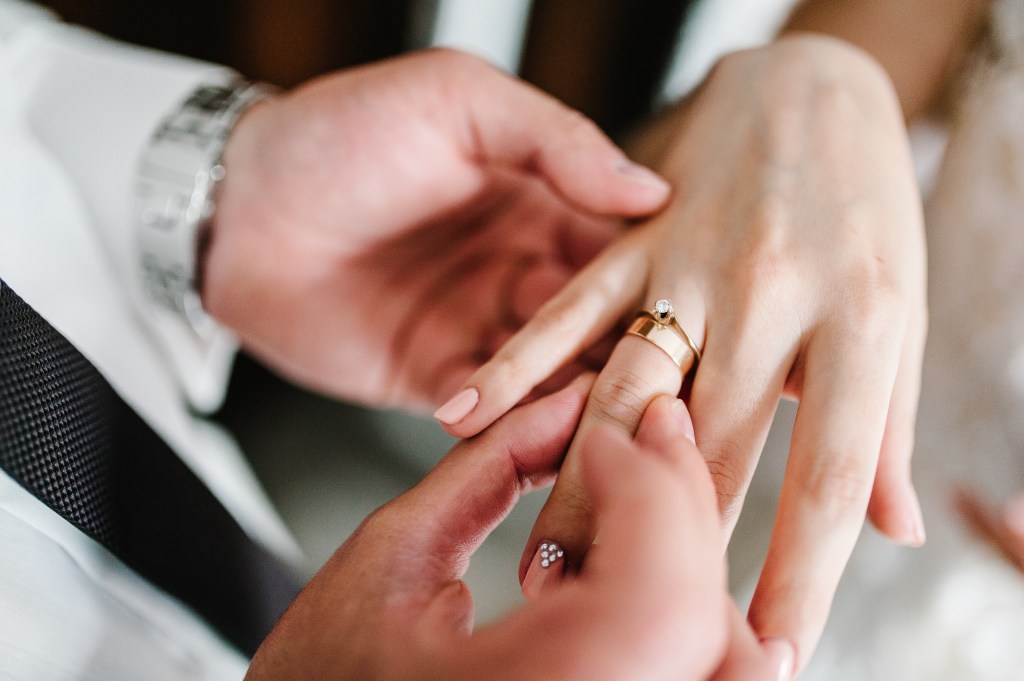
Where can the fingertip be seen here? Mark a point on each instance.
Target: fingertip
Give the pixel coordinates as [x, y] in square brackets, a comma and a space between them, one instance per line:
[666, 432]
[918, 534]
[486, 413]
[781, 657]
[546, 570]
[464, 430]
[682, 415]
[664, 421]
[610, 459]
[895, 511]
[469, 412]
[594, 173]
[456, 409]
[649, 188]
[520, 126]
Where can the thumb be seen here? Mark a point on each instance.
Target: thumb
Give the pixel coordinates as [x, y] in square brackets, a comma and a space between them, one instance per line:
[516, 124]
[475, 486]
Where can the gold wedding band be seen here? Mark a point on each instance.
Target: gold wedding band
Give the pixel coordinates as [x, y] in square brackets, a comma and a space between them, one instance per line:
[660, 327]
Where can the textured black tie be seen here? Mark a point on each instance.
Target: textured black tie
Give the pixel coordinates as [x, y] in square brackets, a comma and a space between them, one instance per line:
[70, 440]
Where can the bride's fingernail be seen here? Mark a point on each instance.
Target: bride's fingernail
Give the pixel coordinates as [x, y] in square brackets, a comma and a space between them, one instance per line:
[682, 415]
[458, 408]
[781, 656]
[910, 530]
[634, 172]
[547, 567]
[920, 536]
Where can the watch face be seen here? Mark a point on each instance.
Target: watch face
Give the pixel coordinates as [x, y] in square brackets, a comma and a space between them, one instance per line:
[176, 177]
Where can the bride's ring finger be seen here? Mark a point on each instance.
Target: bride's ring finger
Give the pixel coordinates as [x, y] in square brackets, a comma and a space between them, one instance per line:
[652, 358]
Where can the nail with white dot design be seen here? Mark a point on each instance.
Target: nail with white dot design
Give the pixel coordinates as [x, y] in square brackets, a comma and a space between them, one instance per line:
[546, 569]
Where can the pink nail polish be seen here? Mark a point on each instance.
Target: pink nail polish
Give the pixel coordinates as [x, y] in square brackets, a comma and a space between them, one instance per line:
[682, 415]
[547, 568]
[920, 536]
[458, 407]
[913, 520]
[781, 656]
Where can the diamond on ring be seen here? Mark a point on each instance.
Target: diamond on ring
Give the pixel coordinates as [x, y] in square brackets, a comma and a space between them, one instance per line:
[663, 310]
[660, 327]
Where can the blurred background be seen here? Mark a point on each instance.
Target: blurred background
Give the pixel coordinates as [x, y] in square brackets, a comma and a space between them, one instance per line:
[601, 56]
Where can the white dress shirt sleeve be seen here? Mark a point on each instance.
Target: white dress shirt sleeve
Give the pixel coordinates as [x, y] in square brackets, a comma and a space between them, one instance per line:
[75, 110]
[93, 104]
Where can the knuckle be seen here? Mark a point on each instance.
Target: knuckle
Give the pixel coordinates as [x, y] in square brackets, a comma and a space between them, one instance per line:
[840, 482]
[574, 504]
[729, 477]
[869, 275]
[577, 126]
[874, 309]
[507, 368]
[620, 398]
[877, 329]
[878, 287]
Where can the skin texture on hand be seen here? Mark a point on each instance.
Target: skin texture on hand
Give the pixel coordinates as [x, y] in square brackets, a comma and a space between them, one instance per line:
[650, 603]
[381, 231]
[793, 252]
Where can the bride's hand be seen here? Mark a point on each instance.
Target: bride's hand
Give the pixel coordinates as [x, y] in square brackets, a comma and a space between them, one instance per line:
[793, 252]
[381, 230]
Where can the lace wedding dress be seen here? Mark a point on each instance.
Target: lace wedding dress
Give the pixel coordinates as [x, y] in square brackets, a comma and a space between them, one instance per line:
[953, 610]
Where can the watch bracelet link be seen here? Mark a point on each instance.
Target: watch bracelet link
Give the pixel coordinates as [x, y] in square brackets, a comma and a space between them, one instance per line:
[176, 183]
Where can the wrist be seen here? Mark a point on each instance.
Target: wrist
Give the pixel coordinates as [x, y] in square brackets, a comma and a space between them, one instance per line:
[806, 76]
[796, 76]
[825, 62]
[234, 245]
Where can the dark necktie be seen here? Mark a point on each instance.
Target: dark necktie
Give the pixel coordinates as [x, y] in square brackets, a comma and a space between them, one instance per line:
[70, 440]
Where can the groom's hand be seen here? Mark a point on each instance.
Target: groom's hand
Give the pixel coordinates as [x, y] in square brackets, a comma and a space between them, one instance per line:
[381, 231]
[650, 602]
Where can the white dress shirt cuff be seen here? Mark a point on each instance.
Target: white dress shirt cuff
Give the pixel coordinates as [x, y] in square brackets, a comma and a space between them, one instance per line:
[94, 103]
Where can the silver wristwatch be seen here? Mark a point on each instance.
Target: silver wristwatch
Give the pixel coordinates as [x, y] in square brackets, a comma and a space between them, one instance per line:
[177, 179]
